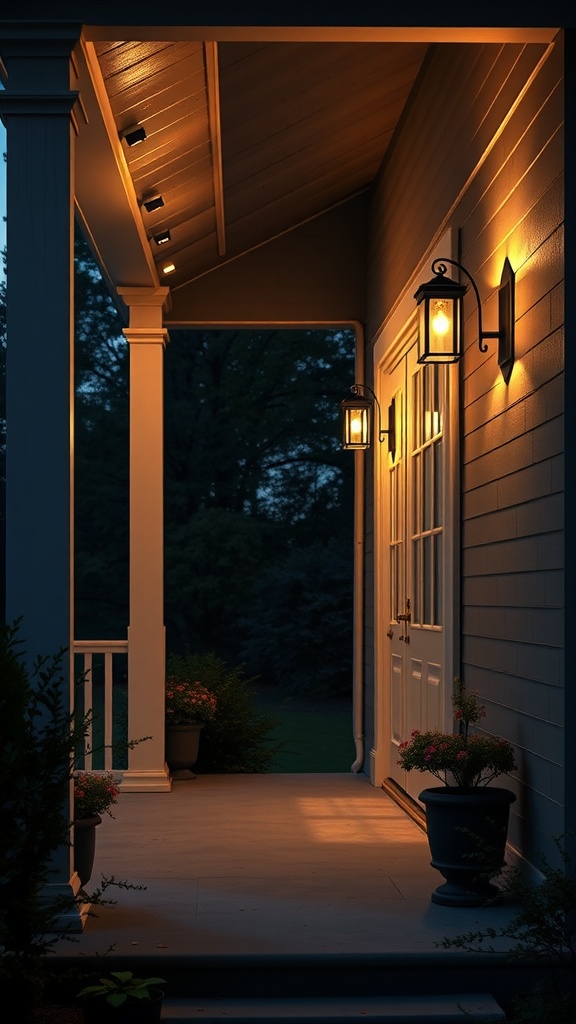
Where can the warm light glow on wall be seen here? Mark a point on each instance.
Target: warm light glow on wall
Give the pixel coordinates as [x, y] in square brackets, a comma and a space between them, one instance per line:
[168, 269]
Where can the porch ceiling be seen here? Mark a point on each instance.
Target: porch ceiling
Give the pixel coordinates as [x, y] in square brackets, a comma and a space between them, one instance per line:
[247, 140]
[250, 132]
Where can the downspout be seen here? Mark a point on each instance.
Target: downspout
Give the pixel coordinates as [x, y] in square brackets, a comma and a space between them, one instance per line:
[358, 594]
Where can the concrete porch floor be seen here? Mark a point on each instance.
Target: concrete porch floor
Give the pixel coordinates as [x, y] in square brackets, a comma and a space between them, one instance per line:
[268, 864]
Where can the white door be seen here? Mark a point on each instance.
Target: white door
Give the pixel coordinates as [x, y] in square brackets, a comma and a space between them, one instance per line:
[416, 580]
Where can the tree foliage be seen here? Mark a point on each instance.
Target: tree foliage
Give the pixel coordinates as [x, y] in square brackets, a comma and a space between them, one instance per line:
[254, 475]
[101, 457]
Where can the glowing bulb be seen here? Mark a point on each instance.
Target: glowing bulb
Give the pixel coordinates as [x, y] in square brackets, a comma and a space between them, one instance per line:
[440, 322]
[355, 428]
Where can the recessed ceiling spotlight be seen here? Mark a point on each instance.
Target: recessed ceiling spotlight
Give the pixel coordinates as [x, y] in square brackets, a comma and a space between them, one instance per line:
[162, 237]
[153, 203]
[134, 134]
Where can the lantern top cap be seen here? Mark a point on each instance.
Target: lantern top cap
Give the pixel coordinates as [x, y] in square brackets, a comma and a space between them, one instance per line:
[440, 285]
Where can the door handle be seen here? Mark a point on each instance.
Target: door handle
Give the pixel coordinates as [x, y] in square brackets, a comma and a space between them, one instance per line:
[405, 619]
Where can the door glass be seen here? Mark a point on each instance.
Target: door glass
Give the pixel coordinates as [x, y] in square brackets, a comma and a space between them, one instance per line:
[396, 550]
[426, 463]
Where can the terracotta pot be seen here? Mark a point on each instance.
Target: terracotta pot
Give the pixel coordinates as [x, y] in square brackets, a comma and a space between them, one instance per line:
[467, 830]
[182, 746]
[85, 846]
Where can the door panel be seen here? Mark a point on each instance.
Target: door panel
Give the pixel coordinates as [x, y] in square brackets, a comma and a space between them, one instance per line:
[412, 530]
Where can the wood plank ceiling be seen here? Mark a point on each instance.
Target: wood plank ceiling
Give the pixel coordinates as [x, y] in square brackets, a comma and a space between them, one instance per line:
[247, 140]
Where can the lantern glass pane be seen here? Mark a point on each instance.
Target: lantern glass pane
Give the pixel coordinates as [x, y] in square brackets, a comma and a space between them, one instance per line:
[441, 320]
[357, 427]
[439, 330]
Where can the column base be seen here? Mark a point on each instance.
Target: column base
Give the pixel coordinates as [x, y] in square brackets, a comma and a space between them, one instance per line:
[142, 781]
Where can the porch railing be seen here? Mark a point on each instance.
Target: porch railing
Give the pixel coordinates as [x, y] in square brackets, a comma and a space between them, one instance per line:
[101, 686]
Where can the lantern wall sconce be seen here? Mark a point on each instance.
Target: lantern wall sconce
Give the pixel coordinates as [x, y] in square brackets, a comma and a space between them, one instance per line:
[440, 301]
[357, 413]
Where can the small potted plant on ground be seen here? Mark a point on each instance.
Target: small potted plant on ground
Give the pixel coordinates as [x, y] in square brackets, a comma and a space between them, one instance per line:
[95, 793]
[123, 999]
[466, 817]
[189, 705]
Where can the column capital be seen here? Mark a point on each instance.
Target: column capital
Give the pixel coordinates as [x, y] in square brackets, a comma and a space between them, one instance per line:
[144, 296]
[146, 306]
[38, 56]
[146, 335]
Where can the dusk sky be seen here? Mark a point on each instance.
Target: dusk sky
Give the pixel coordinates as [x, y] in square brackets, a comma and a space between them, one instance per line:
[2, 188]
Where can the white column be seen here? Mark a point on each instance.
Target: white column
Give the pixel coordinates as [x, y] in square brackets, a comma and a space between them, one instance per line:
[37, 109]
[147, 770]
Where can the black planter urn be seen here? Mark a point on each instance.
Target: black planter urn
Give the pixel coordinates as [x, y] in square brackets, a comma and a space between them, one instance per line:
[182, 748]
[467, 831]
[85, 846]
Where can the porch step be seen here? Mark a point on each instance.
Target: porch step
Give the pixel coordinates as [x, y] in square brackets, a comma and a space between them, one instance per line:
[269, 988]
[431, 1009]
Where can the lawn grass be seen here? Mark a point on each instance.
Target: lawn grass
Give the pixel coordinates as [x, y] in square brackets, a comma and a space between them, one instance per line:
[315, 740]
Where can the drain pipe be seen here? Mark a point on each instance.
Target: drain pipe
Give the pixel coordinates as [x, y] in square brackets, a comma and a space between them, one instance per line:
[358, 594]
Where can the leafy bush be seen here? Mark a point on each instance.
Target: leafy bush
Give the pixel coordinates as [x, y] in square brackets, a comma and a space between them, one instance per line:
[121, 987]
[237, 740]
[543, 931]
[40, 744]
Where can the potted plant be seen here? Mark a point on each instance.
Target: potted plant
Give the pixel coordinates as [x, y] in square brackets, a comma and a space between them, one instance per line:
[94, 794]
[122, 998]
[466, 817]
[188, 706]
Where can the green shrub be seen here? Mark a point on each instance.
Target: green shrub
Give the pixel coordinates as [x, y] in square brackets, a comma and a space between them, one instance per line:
[238, 740]
[543, 930]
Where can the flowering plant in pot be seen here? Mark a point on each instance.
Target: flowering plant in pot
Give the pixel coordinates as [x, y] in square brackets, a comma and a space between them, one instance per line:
[189, 705]
[459, 759]
[94, 793]
[188, 701]
[466, 817]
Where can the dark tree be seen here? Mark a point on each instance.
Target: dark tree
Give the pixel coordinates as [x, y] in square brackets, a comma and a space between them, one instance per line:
[101, 457]
[254, 473]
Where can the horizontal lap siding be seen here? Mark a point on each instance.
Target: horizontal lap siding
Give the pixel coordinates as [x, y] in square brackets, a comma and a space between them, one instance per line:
[457, 108]
[456, 164]
[512, 455]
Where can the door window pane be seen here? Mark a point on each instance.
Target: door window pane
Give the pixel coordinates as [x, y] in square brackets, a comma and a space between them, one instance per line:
[426, 485]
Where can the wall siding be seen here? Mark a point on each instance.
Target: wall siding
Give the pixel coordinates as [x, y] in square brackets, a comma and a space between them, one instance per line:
[482, 152]
[462, 93]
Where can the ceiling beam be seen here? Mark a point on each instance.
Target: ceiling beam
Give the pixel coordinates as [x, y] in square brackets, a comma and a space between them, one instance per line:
[213, 88]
